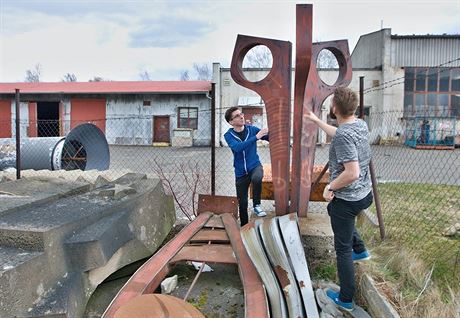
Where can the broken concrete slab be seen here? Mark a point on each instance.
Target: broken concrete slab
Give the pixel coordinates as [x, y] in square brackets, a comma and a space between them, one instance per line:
[62, 249]
[23, 193]
[379, 307]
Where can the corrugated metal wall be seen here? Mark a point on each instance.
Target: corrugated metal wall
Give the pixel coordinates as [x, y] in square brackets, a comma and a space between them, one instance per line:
[425, 51]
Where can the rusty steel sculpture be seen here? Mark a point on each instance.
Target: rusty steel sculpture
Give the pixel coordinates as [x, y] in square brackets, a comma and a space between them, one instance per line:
[309, 94]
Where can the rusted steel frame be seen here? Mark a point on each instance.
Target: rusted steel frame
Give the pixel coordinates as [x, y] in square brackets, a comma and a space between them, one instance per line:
[148, 277]
[304, 23]
[315, 94]
[195, 279]
[255, 299]
[316, 183]
[275, 90]
[218, 204]
[216, 253]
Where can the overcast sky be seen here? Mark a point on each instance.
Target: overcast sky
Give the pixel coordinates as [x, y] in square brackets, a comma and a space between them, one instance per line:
[118, 40]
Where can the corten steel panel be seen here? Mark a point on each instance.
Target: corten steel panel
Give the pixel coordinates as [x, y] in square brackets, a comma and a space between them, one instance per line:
[218, 204]
[32, 130]
[83, 110]
[275, 90]
[315, 94]
[309, 94]
[5, 118]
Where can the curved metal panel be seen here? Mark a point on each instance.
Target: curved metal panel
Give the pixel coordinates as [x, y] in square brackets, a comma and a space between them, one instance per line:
[274, 247]
[255, 249]
[290, 231]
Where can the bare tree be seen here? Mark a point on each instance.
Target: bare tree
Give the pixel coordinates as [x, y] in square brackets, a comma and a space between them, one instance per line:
[96, 79]
[258, 57]
[145, 76]
[184, 185]
[326, 59]
[184, 75]
[203, 72]
[69, 77]
[34, 74]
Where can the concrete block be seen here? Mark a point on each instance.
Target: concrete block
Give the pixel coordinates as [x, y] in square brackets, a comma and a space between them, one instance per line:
[317, 237]
[60, 251]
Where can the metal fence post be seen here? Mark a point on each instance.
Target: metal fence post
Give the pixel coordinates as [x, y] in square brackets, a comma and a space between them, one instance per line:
[378, 206]
[18, 136]
[213, 139]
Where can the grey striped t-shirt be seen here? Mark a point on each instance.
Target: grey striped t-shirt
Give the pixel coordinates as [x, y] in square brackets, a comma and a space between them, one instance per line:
[351, 143]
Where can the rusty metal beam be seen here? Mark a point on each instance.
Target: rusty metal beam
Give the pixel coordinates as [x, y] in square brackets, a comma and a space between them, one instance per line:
[210, 235]
[205, 253]
[255, 299]
[218, 204]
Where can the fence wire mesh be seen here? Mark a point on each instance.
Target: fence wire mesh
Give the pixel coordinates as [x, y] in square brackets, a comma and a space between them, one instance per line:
[419, 189]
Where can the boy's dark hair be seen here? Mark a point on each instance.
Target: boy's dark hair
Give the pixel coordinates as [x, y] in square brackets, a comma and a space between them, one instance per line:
[345, 100]
[228, 113]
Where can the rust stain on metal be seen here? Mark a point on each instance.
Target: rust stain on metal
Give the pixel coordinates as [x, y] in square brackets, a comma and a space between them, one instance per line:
[309, 94]
[282, 275]
[301, 284]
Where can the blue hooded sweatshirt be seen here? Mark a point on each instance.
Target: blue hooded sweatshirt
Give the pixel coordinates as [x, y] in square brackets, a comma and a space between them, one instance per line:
[245, 157]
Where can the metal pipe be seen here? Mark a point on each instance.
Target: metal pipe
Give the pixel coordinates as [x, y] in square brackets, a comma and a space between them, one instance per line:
[361, 97]
[18, 136]
[378, 207]
[213, 139]
[315, 184]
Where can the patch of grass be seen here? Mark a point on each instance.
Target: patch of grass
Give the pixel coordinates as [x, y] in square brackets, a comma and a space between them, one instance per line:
[324, 271]
[202, 300]
[415, 217]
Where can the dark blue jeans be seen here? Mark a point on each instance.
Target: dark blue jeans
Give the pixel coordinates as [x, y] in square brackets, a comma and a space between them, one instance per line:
[242, 186]
[346, 239]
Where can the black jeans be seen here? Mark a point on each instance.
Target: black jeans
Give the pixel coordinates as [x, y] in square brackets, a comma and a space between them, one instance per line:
[346, 239]
[242, 186]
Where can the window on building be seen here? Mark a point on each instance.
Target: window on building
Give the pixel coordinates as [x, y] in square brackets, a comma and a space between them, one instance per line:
[147, 103]
[188, 117]
[432, 92]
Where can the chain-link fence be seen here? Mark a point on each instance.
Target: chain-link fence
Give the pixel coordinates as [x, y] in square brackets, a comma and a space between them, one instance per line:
[417, 169]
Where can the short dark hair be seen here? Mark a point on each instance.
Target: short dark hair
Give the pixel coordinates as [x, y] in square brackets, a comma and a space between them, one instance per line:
[345, 100]
[228, 113]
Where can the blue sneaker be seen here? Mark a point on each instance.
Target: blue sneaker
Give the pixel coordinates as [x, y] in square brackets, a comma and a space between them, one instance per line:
[258, 211]
[334, 296]
[359, 257]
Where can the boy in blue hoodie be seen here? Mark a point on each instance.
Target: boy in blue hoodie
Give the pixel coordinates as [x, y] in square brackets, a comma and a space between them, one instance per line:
[242, 140]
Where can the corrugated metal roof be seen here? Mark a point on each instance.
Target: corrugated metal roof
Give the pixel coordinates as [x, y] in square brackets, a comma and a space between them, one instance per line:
[108, 87]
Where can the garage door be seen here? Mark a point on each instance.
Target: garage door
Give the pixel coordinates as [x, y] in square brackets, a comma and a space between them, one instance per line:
[84, 110]
[5, 119]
